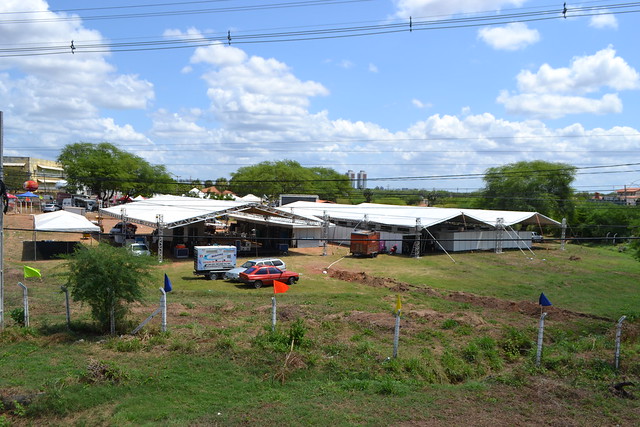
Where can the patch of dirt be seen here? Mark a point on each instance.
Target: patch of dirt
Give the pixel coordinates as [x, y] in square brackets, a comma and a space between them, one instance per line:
[433, 316]
[527, 308]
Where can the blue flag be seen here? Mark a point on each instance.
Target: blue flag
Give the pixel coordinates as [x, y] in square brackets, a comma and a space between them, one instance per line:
[544, 301]
[167, 283]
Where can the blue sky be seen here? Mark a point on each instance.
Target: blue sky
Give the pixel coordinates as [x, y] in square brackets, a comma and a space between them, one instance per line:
[429, 108]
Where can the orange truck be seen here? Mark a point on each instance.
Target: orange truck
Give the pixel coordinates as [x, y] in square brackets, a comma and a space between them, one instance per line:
[365, 243]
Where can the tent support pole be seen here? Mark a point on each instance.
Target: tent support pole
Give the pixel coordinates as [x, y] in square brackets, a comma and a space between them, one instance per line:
[441, 247]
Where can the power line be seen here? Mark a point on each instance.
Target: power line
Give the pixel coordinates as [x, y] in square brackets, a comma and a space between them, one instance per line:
[488, 19]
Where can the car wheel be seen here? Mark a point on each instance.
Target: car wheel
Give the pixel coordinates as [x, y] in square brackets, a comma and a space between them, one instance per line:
[257, 284]
[208, 276]
[291, 280]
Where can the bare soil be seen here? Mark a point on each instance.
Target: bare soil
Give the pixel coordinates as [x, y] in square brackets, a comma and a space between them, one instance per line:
[523, 307]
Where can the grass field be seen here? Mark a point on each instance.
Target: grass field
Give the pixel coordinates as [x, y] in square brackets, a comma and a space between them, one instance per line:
[466, 351]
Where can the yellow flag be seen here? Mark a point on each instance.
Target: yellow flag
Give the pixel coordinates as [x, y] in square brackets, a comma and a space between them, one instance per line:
[398, 303]
[31, 272]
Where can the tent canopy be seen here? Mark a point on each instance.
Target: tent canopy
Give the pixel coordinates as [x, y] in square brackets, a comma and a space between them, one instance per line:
[407, 216]
[64, 221]
[27, 194]
[179, 211]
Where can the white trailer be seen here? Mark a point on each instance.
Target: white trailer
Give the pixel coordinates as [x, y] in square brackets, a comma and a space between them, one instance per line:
[213, 261]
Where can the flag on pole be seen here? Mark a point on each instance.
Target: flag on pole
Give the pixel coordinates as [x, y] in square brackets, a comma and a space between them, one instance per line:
[544, 301]
[279, 287]
[398, 303]
[167, 283]
[31, 272]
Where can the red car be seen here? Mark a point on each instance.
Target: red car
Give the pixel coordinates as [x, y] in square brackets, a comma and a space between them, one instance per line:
[257, 276]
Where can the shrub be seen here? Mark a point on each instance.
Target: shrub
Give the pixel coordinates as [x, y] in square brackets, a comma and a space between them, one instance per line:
[106, 278]
[515, 343]
[297, 331]
[17, 315]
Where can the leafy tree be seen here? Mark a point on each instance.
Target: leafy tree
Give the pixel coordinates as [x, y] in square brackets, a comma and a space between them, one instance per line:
[14, 179]
[288, 177]
[208, 183]
[329, 184]
[105, 169]
[106, 278]
[367, 193]
[604, 219]
[530, 186]
[222, 184]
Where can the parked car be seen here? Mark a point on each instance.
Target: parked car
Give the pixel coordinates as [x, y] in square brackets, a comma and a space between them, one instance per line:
[258, 276]
[536, 238]
[139, 249]
[119, 227]
[50, 207]
[234, 274]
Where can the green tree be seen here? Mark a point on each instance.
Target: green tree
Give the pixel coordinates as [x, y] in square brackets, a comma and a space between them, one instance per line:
[329, 184]
[14, 179]
[105, 170]
[106, 278]
[530, 186]
[605, 220]
[288, 177]
[222, 184]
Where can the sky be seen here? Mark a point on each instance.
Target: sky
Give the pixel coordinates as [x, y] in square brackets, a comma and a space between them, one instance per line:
[417, 93]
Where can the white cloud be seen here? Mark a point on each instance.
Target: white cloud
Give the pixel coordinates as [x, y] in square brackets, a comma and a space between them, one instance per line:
[512, 36]
[255, 92]
[345, 63]
[417, 103]
[585, 75]
[603, 20]
[440, 8]
[373, 68]
[555, 92]
[549, 106]
[59, 97]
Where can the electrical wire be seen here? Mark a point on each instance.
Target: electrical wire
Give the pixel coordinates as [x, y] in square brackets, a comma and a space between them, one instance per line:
[488, 19]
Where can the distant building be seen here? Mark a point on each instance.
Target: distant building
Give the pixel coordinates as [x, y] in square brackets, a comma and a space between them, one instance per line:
[362, 180]
[629, 195]
[352, 178]
[47, 173]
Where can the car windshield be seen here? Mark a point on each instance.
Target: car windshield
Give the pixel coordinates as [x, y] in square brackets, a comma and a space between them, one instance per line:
[139, 247]
[248, 264]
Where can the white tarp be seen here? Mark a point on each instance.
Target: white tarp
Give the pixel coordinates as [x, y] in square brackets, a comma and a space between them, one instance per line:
[64, 221]
[178, 211]
[406, 216]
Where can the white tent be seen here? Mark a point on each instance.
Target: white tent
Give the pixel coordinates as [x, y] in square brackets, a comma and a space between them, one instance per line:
[249, 198]
[64, 221]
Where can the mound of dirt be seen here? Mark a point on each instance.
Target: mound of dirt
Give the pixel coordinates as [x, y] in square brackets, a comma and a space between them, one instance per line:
[528, 308]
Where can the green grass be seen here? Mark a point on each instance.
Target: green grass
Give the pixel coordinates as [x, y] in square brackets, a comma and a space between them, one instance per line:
[221, 364]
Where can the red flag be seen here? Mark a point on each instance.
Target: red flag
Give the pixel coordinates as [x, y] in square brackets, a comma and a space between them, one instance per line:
[279, 287]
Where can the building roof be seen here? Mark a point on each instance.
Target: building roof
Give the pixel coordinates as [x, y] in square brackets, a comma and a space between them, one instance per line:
[408, 216]
[629, 190]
